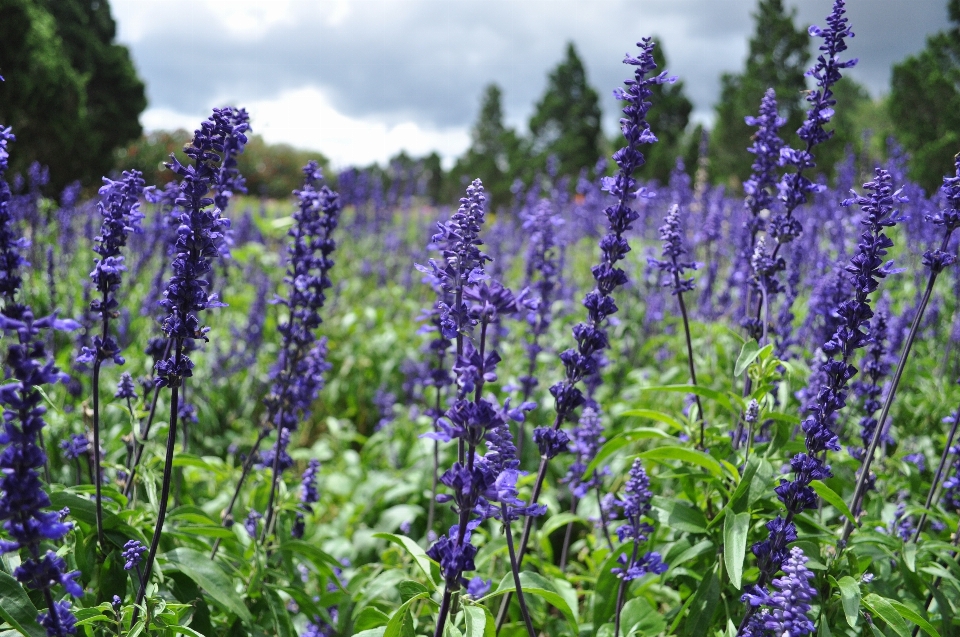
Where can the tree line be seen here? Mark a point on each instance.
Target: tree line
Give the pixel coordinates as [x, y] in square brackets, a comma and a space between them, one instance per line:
[74, 97]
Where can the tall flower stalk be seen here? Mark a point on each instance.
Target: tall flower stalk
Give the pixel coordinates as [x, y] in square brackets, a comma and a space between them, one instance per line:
[635, 505]
[120, 208]
[671, 236]
[795, 187]
[199, 239]
[23, 501]
[479, 483]
[222, 177]
[298, 374]
[542, 278]
[591, 336]
[866, 268]
[948, 220]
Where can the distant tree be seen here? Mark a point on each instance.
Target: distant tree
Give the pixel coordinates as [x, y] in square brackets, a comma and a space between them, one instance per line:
[668, 120]
[777, 59]
[72, 94]
[566, 120]
[494, 154]
[270, 170]
[925, 104]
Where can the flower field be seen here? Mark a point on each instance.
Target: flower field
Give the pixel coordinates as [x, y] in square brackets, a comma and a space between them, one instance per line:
[614, 407]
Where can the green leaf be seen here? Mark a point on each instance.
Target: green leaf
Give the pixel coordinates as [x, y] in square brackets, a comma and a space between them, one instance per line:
[639, 617]
[419, 556]
[535, 584]
[882, 607]
[703, 392]
[850, 598]
[209, 576]
[910, 556]
[408, 588]
[373, 632]
[685, 454]
[703, 607]
[748, 353]
[832, 498]
[679, 515]
[658, 416]
[16, 608]
[735, 527]
[618, 442]
[370, 617]
[395, 625]
[476, 621]
[908, 613]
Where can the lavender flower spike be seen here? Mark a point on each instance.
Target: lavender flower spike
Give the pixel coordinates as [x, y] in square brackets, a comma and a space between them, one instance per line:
[784, 612]
[298, 373]
[671, 236]
[866, 268]
[119, 206]
[635, 504]
[591, 336]
[200, 237]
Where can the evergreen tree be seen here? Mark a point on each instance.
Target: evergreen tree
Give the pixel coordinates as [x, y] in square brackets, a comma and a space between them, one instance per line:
[925, 104]
[566, 120]
[777, 59]
[495, 152]
[71, 95]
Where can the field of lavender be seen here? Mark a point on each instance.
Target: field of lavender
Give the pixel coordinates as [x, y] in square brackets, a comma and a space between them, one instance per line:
[612, 408]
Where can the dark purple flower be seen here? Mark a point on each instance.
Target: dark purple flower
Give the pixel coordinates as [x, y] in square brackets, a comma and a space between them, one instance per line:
[477, 587]
[120, 208]
[125, 388]
[784, 612]
[586, 440]
[635, 505]
[759, 187]
[865, 269]
[671, 237]
[132, 554]
[250, 524]
[75, 446]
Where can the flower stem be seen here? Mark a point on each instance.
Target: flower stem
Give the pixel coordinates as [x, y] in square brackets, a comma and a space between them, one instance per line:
[693, 371]
[938, 476]
[515, 568]
[860, 490]
[164, 490]
[97, 471]
[247, 465]
[568, 535]
[621, 591]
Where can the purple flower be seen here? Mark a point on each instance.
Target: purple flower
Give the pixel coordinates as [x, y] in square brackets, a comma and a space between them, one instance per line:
[635, 504]
[591, 336]
[132, 554]
[200, 238]
[784, 612]
[951, 486]
[586, 441]
[477, 587]
[866, 269]
[125, 388]
[671, 237]
[75, 446]
[766, 147]
[250, 524]
[120, 208]
[22, 498]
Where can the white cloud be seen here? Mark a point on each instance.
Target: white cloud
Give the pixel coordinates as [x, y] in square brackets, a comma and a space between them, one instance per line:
[305, 119]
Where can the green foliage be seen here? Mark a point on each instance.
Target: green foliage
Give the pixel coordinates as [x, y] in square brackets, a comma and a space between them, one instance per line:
[71, 93]
[925, 105]
[566, 120]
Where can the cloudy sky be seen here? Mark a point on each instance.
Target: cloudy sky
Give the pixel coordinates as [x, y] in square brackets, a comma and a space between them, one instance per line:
[359, 80]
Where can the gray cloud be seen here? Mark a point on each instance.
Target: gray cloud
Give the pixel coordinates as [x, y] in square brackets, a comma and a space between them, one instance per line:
[428, 60]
